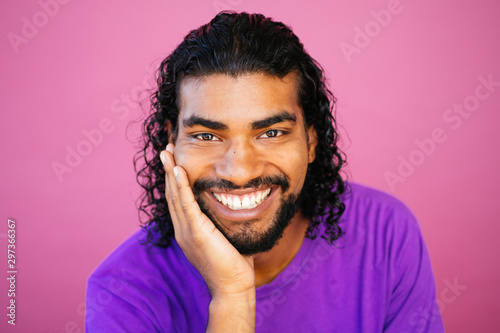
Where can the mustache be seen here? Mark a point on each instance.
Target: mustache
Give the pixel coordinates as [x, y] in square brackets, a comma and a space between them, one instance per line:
[204, 184]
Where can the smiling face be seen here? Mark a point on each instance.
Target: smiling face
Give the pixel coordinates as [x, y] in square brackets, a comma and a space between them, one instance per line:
[245, 148]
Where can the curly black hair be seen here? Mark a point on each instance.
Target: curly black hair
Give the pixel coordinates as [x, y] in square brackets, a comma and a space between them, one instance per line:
[232, 44]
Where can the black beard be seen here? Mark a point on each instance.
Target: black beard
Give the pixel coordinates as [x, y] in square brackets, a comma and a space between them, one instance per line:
[247, 241]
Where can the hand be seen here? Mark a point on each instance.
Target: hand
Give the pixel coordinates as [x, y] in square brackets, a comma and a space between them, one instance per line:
[227, 273]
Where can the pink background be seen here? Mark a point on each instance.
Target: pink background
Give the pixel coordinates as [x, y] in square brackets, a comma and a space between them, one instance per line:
[78, 69]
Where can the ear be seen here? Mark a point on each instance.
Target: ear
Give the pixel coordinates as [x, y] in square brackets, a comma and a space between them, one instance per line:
[312, 143]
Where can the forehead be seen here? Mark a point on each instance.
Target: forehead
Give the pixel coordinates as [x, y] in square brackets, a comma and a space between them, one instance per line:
[246, 97]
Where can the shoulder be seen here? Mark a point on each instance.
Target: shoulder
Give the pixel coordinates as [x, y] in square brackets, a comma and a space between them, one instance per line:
[135, 259]
[377, 220]
[372, 206]
[124, 268]
[360, 195]
[383, 234]
[140, 282]
[133, 254]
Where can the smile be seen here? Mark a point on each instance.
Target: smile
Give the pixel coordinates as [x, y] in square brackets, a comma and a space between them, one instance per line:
[246, 201]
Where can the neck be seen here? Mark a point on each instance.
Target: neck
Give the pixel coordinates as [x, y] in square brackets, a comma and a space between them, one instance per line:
[268, 265]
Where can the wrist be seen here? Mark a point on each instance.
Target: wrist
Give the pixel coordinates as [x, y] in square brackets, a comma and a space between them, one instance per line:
[232, 312]
[244, 297]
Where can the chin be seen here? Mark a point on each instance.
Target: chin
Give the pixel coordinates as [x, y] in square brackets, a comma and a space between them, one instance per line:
[247, 239]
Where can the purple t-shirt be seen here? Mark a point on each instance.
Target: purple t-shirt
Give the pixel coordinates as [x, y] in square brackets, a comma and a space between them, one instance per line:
[378, 278]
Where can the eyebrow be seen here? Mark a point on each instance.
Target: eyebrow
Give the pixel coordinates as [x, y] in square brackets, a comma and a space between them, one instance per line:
[283, 116]
[259, 124]
[195, 120]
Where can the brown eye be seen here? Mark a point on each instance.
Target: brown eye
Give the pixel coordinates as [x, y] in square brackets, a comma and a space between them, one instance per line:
[205, 137]
[272, 134]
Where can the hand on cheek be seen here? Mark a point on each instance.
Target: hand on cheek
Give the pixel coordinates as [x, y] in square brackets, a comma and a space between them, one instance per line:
[224, 269]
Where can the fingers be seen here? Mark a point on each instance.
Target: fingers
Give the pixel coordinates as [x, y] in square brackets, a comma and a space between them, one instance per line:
[188, 204]
[184, 210]
[171, 191]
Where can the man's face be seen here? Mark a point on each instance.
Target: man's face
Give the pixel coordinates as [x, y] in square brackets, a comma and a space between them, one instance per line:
[244, 146]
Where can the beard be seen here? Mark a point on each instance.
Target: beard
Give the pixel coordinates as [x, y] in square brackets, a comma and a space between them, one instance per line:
[246, 240]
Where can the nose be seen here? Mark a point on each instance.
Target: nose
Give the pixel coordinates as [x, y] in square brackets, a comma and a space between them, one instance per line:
[240, 162]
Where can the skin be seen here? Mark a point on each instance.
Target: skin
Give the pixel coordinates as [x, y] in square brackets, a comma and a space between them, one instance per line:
[243, 149]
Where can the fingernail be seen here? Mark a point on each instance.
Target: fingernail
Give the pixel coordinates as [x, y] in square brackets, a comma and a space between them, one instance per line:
[170, 148]
[162, 158]
[176, 171]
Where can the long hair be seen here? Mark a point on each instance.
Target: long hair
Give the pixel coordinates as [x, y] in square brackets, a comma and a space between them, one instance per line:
[232, 44]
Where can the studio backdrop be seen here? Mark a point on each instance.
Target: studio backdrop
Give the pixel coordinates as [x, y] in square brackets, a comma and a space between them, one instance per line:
[418, 106]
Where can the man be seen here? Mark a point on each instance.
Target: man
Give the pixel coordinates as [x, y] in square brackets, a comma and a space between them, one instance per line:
[250, 226]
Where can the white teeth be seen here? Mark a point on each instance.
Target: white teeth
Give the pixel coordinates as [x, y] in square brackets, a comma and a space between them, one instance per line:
[259, 196]
[235, 202]
[245, 203]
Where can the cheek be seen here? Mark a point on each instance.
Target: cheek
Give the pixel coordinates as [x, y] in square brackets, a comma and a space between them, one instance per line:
[300, 173]
[196, 162]
[188, 162]
[292, 163]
